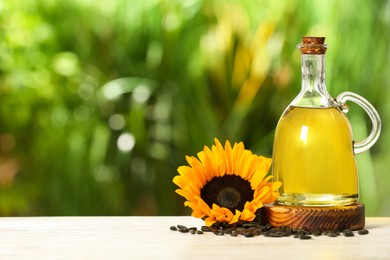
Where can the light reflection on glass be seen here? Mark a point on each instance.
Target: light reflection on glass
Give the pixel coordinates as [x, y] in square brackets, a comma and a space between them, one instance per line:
[304, 132]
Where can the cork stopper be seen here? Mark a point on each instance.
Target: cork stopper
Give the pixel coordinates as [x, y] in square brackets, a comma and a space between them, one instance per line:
[312, 45]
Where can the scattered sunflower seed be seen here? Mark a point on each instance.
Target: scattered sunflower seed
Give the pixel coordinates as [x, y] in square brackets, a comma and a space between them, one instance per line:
[249, 234]
[363, 232]
[205, 228]
[230, 230]
[332, 234]
[234, 233]
[255, 229]
[348, 233]
[317, 233]
[305, 237]
[275, 234]
[220, 233]
[181, 227]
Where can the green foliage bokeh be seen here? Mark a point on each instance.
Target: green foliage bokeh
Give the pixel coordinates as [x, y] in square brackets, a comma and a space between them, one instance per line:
[100, 101]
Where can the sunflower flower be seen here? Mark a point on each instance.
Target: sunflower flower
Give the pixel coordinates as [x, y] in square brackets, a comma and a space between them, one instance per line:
[226, 185]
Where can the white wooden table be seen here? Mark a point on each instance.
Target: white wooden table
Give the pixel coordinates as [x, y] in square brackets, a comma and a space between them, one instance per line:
[150, 238]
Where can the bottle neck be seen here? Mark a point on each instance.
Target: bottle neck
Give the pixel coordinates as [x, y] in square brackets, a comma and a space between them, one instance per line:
[313, 92]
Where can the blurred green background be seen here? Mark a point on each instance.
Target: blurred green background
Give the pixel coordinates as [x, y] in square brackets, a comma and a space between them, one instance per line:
[100, 101]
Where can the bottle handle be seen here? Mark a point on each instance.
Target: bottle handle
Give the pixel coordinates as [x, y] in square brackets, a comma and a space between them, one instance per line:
[364, 145]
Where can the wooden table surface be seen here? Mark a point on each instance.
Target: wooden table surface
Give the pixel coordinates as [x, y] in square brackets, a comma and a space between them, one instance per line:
[150, 238]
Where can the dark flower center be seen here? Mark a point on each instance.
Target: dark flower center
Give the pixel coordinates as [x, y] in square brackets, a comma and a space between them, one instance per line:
[229, 191]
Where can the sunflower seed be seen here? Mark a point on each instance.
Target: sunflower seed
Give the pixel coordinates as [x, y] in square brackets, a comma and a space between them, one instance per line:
[249, 234]
[363, 232]
[306, 232]
[317, 233]
[305, 237]
[298, 232]
[257, 232]
[267, 227]
[282, 228]
[234, 233]
[250, 225]
[205, 228]
[253, 228]
[173, 228]
[181, 227]
[230, 230]
[348, 233]
[199, 232]
[241, 231]
[214, 229]
[276, 234]
[220, 233]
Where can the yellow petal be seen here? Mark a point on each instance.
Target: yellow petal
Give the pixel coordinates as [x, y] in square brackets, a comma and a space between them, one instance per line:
[238, 149]
[210, 163]
[179, 181]
[229, 157]
[263, 191]
[254, 205]
[198, 214]
[265, 181]
[236, 217]
[206, 209]
[185, 171]
[258, 179]
[252, 165]
[247, 215]
[187, 195]
[201, 157]
[210, 221]
[221, 214]
[190, 175]
[198, 170]
[222, 158]
[242, 162]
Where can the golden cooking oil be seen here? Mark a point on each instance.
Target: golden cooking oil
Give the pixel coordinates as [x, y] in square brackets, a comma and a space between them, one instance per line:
[313, 157]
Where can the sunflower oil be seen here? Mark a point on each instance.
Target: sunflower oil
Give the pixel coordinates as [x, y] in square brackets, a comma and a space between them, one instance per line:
[313, 157]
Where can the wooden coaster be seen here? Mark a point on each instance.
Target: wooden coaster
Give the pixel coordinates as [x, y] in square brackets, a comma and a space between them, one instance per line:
[315, 218]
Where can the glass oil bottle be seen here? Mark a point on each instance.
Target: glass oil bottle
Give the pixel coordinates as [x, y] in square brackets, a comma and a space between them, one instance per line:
[313, 153]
